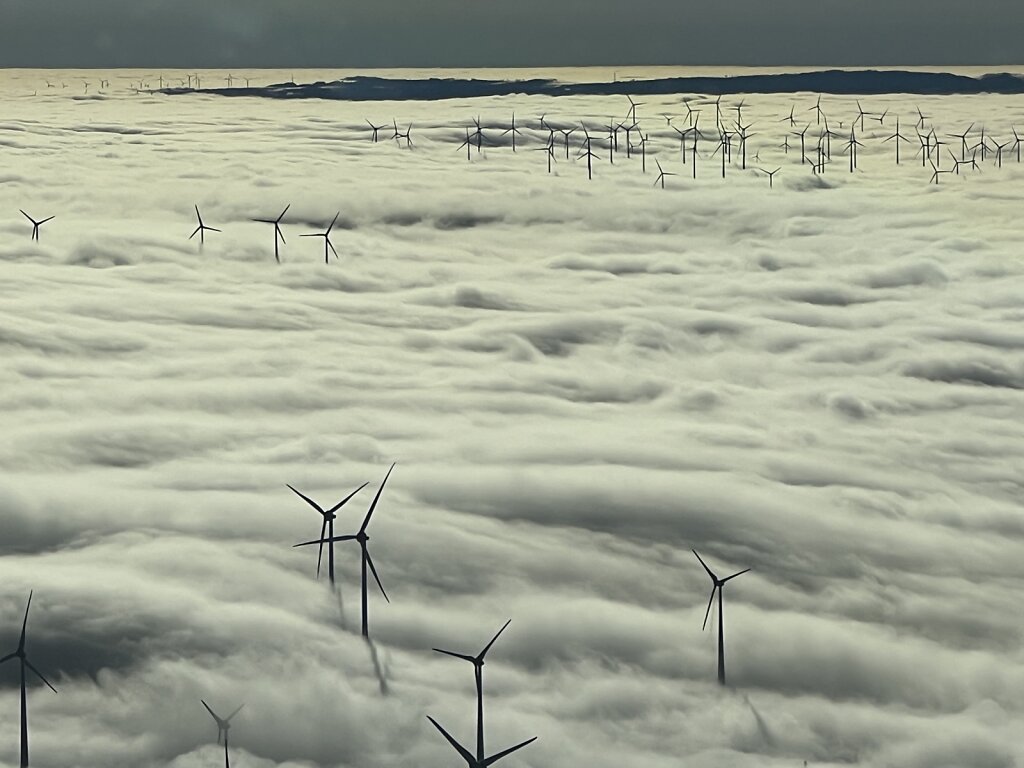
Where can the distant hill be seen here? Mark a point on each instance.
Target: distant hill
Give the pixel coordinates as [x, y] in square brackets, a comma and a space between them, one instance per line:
[864, 82]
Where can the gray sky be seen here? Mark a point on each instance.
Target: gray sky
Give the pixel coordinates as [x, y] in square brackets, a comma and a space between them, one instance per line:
[393, 33]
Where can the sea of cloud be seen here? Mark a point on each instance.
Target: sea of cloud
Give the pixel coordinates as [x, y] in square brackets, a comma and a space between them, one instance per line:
[579, 381]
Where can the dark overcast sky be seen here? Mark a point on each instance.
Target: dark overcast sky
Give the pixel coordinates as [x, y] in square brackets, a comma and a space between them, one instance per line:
[392, 33]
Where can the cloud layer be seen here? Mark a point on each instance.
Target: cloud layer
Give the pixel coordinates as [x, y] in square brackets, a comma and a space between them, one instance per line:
[579, 381]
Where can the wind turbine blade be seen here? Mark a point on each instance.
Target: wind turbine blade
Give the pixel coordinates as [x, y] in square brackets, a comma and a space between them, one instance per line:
[373, 570]
[333, 222]
[710, 572]
[24, 622]
[341, 504]
[194, 233]
[211, 229]
[284, 212]
[228, 718]
[458, 747]
[373, 506]
[495, 758]
[308, 500]
[323, 541]
[320, 553]
[212, 714]
[39, 675]
[456, 655]
[488, 646]
[331, 246]
[8, 657]
[708, 612]
[48, 218]
[745, 570]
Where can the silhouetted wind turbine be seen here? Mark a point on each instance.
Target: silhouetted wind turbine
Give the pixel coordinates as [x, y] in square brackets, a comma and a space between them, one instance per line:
[201, 229]
[374, 128]
[802, 134]
[1016, 143]
[468, 144]
[549, 148]
[35, 224]
[921, 117]
[362, 537]
[478, 672]
[717, 586]
[897, 137]
[936, 172]
[771, 176]
[471, 761]
[817, 108]
[662, 173]
[514, 131]
[861, 114]
[632, 108]
[277, 230]
[327, 527]
[24, 662]
[999, 151]
[790, 118]
[327, 238]
[223, 726]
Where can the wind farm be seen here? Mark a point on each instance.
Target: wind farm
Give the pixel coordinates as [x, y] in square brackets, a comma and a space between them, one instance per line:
[550, 349]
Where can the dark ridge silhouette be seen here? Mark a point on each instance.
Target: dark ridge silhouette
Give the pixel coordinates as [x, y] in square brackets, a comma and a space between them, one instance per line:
[861, 82]
[478, 672]
[19, 654]
[362, 537]
[223, 726]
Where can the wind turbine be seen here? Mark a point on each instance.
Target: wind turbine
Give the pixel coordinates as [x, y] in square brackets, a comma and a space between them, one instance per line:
[514, 131]
[20, 655]
[362, 537]
[771, 176]
[817, 108]
[277, 230]
[327, 528]
[661, 174]
[374, 128]
[471, 761]
[201, 229]
[897, 137]
[35, 224]
[717, 585]
[327, 238]
[478, 672]
[223, 726]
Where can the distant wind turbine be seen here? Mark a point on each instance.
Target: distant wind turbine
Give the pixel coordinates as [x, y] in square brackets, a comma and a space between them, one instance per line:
[478, 672]
[24, 662]
[717, 585]
[201, 229]
[223, 726]
[277, 231]
[362, 537]
[327, 527]
[36, 224]
[327, 238]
